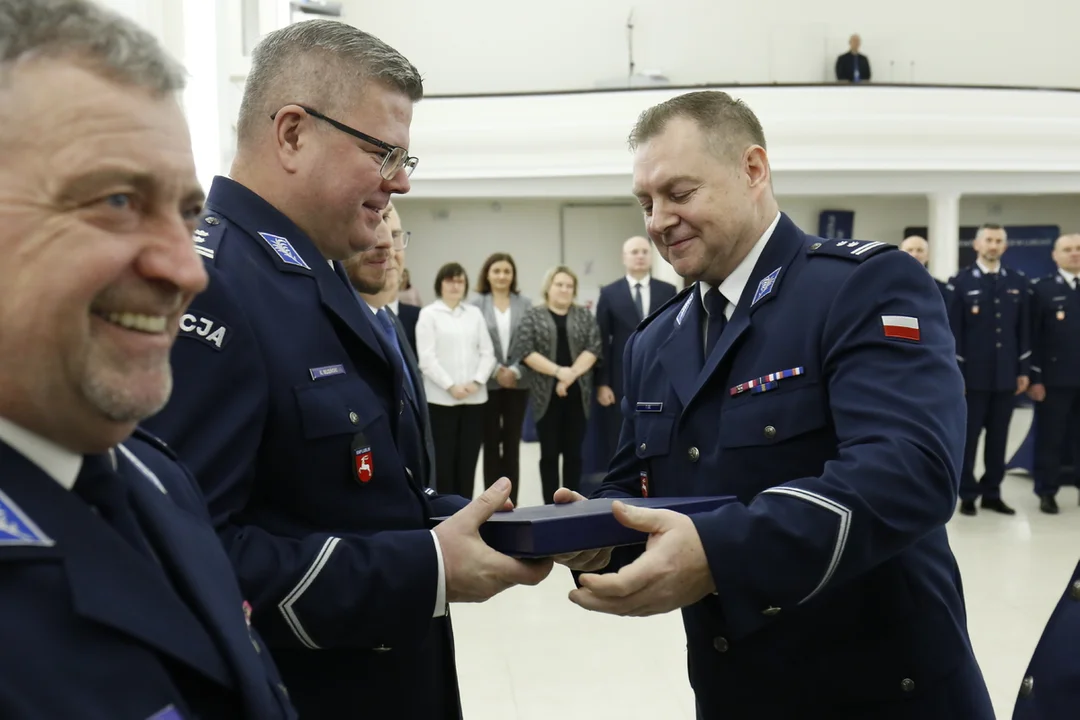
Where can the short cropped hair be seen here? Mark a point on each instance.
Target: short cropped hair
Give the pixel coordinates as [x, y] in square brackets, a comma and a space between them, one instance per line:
[730, 124]
[989, 226]
[549, 278]
[323, 64]
[483, 286]
[89, 35]
[449, 271]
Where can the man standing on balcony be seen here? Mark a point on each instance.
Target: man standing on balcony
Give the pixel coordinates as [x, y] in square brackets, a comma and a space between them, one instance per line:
[853, 66]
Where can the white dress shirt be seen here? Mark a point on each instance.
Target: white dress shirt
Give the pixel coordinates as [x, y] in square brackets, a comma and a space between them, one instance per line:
[985, 270]
[453, 347]
[734, 285]
[502, 324]
[1070, 279]
[58, 462]
[440, 593]
[646, 293]
[393, 306]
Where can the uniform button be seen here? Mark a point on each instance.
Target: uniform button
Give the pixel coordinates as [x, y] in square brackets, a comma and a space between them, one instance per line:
[770, 431]
[211, 220]
[381, 649]
[770, 611]
[694, 454]
[999, 346]
[997, 301]
[642, 447]
[720, 644]
[907, 684]
[1027, 686]
[997, 315]
[815, 246]
[354, 418]
[1074, 590]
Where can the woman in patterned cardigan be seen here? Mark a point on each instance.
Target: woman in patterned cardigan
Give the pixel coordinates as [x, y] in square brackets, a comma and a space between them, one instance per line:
[559, 342]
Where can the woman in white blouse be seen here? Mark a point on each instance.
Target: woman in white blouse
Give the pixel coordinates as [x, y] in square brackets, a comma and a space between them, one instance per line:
[456, 358]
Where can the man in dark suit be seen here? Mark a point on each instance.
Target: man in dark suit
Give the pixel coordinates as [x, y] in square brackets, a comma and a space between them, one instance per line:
[814, 381]
[292, 408]
[375, 274]
[853, 66]
[116, 597]
[622, 306]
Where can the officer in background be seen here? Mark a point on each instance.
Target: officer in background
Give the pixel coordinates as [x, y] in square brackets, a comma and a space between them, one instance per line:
[375, 274]
[814, 381]
[116, 599]
[622, 305]
[990, 319]
[292, 409]
[917, 247]
[1055, 368]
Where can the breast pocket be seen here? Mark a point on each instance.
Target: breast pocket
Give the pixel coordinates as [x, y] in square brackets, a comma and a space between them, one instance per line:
[652, 433]
[340, 407]
[773, 419]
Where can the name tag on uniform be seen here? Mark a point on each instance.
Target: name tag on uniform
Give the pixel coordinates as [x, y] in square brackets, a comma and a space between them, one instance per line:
[650, 407]
[326, 371]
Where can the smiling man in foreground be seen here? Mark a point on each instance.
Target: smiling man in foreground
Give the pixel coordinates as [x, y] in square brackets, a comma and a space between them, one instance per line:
[814, 380]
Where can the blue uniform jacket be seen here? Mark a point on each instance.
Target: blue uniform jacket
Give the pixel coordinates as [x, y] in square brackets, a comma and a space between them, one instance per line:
[94, 630]
[837, 593]
[290, 409]
[990, 319]
[617, 318]
[1050, 689]
[1055, 333]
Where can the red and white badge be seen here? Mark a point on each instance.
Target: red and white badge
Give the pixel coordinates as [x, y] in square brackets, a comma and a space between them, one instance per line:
[365, 465]
[901, 327]
[644, 484]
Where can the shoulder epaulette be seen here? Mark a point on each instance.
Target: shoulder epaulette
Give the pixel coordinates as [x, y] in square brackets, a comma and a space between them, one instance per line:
[208, 236]
[155, 442]
[857, 250]
[679, 297]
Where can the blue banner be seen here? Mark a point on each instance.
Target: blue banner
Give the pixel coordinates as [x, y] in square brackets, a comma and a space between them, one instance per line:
[836, 224]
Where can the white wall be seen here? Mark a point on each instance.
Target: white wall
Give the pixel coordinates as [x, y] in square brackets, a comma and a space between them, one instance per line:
[467, 231]
[499, 46]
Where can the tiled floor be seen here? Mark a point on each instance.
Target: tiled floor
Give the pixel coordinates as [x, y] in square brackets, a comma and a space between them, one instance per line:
[529, 654]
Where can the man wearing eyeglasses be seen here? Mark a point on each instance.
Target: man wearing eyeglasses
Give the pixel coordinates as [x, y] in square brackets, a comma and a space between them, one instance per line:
[290, 404]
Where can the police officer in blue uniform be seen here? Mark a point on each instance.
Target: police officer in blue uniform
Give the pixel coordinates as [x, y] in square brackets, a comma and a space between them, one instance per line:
[814, 381]
[990, 318]
[1055, 368]
[292, 410]
[917, 247]
[1050, 689]
[117, 600]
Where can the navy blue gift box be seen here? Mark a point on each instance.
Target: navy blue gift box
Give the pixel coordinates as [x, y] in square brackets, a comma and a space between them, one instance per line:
[546, 530]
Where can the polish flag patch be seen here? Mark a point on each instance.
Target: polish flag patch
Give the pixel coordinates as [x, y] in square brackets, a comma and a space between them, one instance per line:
[901, 327]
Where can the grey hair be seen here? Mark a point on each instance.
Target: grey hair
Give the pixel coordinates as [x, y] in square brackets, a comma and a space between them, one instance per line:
[85, 33]
[323, 64]
[730, 124]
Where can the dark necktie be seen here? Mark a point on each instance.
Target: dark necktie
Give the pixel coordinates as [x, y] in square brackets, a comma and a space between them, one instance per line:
[390, 333]
[638, 303]
[714, 306]
[103, 488]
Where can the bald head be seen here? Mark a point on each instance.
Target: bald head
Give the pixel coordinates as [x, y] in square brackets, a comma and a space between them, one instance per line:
[1067, 253]
[917, 247]
[855, 42]
[637, 256]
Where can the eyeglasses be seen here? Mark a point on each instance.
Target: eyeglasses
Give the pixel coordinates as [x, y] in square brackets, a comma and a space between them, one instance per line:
[396, 158]
[401, 239]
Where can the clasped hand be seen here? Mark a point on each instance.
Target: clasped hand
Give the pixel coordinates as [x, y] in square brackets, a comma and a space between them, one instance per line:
[671, 573]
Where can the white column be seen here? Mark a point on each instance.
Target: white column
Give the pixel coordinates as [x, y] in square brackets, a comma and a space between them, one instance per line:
[202, 96]
[944, 234]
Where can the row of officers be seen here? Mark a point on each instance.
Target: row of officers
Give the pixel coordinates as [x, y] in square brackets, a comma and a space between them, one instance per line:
[1015, 335]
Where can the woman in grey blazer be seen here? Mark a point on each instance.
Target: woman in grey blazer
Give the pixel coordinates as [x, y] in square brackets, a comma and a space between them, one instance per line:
[504, 309]
[560, 342]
